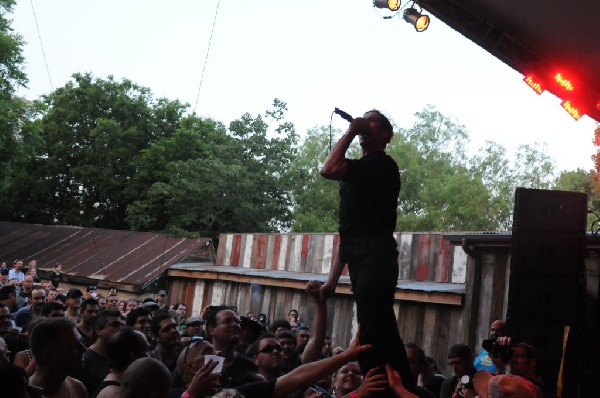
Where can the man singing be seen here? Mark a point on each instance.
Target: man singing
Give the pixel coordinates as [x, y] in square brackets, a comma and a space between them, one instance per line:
[368, 202]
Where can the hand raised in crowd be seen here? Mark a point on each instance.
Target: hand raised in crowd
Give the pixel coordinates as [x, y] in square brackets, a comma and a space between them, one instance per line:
[204, 380]
[313, 288]
[395, 383]
[355, 349]
[374, 381]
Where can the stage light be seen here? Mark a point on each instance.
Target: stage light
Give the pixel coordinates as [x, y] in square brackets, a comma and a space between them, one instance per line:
[571, 110]
[392, 5]
[416, 19]
[564, 83]
[533, 83]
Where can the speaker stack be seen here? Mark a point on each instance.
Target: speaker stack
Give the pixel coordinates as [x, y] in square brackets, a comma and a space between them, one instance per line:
[546, 290]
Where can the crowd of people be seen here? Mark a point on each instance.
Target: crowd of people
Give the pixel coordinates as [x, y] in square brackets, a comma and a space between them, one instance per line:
[75, 344]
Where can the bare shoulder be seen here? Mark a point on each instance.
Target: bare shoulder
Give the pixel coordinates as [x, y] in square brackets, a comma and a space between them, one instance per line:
[75, 388]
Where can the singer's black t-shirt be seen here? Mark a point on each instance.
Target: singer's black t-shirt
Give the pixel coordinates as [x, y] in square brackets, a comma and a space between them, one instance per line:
[369, 196]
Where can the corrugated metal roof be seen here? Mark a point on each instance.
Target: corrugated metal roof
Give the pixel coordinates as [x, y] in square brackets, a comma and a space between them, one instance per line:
[127, 257]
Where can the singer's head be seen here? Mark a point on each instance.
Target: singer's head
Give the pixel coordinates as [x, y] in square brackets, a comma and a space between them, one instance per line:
[380, 132]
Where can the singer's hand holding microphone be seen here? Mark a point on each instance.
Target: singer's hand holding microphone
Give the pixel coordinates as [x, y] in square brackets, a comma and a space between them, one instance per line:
[358, 126]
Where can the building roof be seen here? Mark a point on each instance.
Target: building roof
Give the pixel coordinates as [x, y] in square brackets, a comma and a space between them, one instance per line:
[542, 37]
[126, 259]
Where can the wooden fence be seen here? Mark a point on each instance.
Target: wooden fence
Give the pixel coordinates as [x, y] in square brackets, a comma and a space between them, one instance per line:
[443, 296]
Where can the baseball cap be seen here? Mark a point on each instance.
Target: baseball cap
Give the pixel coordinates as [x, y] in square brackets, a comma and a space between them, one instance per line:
[194, 319]
[162, 293]
[74, 292]
[507, 385]
[148, 304]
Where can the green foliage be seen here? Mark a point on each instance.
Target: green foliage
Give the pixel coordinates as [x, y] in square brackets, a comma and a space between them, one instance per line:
[582, 181]
[210, 180]
[443, 188]
[13, 110]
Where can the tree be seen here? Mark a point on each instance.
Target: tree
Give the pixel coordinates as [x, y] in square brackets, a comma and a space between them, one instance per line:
[586, 182]
[93, 131]
[315, 198]
[237, 180]
[13, 110]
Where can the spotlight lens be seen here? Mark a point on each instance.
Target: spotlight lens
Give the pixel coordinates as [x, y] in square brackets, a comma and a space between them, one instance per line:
[422, 23]
[393, 5]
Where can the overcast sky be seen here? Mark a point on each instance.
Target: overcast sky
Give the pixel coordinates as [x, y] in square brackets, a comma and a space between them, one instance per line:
[313, 54]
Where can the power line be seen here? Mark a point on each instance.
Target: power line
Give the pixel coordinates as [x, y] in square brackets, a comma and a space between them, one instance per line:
[42, 45]
[206, 58]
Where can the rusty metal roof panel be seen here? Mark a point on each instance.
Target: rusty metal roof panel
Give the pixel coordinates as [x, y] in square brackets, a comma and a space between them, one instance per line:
[127, 257]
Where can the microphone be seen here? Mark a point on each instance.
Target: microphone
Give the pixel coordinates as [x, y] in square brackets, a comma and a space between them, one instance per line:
[344, 115]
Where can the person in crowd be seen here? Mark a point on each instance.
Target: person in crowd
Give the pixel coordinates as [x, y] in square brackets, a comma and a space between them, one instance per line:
[122, 348]
[302, 338]
[32, 268]
[26, 314]
[294, 319]
[179, 313]
[101, 301]
[223, 331]
[91, 292]
[16, 271]
[4, 276]
[432, 379]
[140, 319]
[163, 330]
[4, 353]
[161, 299]
[194, 326]
[249, 332]
[313, 347]
[287, 341]
[56, 276]
[89, 310]
[95, 358]
[348, 382]
[74, 296]
[130, 305]
[8, 298]
[58, 353]
[417, 363]
[25, 291]
[268, 358]
[368, 205]
[145, 378]
[53, 309]
[151, 306]
[195, 373]
[51, 296]
[483, 361]
[112, 301]
[121, 306]
[278, 325]
[337, 350]
[460, 358]
[24, 358]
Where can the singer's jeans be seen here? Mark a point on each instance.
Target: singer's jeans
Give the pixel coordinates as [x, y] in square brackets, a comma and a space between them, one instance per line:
[373, 266]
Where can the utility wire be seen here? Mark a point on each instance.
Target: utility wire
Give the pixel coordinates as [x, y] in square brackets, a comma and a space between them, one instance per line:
[42, 45]
[207, 52]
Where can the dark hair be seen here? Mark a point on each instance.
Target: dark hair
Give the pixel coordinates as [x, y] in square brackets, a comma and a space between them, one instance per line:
[135, 314]
[121, 345]
[286, 334]
[157, 319]
[252, 351]
[51, 306]
[529, 350]
[290, 311]
[210, 315]
[101, 320]
[13, 380]
[420, 352]
[87, 302]
[387, 126]
[45, 333]
[303, 328]
[6, 291]
[276, 324]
